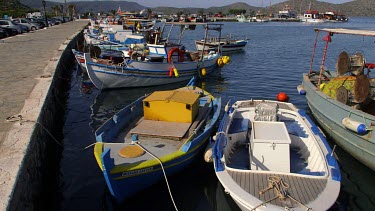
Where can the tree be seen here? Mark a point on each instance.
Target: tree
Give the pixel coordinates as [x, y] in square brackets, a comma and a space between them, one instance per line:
[55, 9]
[71, 11]
[201, 12]
[149, 13]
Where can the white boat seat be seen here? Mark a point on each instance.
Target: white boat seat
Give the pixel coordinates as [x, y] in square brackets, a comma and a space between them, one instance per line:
[266, 112]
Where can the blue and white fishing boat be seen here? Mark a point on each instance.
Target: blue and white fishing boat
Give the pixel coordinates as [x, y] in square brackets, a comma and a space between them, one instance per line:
[343, 101]
[269, 155]
[112, 55]
[162, 65]
[225, 44]
[154, 137]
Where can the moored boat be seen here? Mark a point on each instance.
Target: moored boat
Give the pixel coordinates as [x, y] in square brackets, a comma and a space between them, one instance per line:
[334, 17]
[313, 16]
[154, 137]
[222, 44]
[270, 156]
[342, 102]
[162, 65]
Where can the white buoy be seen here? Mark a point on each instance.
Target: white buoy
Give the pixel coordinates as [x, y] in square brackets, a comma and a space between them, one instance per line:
[354, 126]
[208, 153]
[301, 90]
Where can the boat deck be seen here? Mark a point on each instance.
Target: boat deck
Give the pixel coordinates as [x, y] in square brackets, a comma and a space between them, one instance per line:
[302, 189]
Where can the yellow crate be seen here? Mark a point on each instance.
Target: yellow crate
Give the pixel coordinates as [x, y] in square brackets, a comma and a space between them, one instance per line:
[171, 106]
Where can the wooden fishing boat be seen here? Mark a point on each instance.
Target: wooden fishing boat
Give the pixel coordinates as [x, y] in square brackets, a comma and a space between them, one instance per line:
[169, 65]
[270, 156]
[342, 101]
[115, 56]
[78, 55]
[154, 137]
[151, 72]
[222, 44]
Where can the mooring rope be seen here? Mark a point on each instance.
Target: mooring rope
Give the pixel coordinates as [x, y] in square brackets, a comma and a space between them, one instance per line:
[276, 183]
[162, 167]
[19, 118]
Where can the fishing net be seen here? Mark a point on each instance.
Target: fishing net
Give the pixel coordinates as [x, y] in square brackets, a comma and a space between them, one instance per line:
[330, 88]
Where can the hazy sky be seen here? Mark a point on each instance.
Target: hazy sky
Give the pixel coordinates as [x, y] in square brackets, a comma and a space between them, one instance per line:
[204, 3]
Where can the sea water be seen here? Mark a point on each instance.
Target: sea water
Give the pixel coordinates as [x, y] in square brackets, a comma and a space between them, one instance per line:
[273, 61]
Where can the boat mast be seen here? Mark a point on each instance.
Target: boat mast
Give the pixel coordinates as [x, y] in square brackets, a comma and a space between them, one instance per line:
[328, 39]
[313, 55]
[205, 40]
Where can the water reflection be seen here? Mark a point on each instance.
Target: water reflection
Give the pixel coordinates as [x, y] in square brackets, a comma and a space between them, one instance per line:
[274, 59]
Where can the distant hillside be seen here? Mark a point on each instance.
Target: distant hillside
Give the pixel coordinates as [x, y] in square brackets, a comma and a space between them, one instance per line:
[88, 6]
[353, 8]
[11, 5]
[359, 8]
[12, 8]
[224, 9]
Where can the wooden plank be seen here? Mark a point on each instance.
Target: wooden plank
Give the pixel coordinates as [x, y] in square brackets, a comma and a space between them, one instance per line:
[302, 189]
[243, 180]
[307, 189]
[267, 194]
[256, 186]
[313, 185]
[247, 183]
[161, 129]
[292, 190]
[262, 186]
[252, 182]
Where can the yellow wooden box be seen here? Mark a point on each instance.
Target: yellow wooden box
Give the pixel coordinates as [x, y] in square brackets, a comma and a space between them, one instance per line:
[171, 106]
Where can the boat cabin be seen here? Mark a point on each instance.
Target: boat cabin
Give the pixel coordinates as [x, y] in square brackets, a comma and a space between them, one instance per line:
[171, 106]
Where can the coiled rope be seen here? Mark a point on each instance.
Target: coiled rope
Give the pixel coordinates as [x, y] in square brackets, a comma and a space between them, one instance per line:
[276, 183]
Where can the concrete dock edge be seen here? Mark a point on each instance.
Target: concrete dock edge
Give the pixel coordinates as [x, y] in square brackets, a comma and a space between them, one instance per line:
[30, 151]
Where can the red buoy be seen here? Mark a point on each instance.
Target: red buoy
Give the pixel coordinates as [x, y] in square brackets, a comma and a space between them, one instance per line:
[283, 97]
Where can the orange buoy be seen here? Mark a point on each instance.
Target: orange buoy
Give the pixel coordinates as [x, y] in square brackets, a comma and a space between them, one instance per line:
[204, 71]
[283, 97]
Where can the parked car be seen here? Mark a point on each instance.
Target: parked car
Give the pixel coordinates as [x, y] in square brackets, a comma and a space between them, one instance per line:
[57, 21]
[10, 24]
[38, 21]
[27, 23]
[24, 29]
[3, 33]
[60, 19]
[10, 31]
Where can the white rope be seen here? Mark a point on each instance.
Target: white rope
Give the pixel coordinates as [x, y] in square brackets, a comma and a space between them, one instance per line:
[162, 167]
[19, 118]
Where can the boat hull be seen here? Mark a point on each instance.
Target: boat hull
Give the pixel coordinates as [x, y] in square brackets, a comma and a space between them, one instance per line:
[125, 178]
[235, 46]
[80, 59]
[125, 184]
[329, 114]
[142, 74]
[244, 175]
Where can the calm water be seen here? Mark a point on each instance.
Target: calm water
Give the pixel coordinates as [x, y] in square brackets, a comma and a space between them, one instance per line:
[275, 58]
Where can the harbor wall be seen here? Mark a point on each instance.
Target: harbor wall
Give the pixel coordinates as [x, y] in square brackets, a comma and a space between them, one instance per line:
[37, 181]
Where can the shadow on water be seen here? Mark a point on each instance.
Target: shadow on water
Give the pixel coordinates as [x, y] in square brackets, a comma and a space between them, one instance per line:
[196, 188]
[274, 59]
